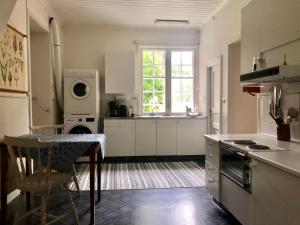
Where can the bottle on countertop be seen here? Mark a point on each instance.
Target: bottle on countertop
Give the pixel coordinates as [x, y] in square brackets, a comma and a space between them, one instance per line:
[254, 64]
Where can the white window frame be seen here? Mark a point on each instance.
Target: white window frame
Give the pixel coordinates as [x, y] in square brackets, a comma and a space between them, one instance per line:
[168, 104]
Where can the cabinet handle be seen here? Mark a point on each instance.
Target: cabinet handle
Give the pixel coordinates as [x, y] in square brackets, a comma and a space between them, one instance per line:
[210, 181]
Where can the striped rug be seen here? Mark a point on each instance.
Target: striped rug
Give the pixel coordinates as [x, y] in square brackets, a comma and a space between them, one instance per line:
[121, 176]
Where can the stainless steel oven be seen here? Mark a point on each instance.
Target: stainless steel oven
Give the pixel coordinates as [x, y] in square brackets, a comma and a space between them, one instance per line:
[235, 165]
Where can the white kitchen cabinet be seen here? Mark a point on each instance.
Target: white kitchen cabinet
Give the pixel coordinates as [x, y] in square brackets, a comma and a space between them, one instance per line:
[166, 137]
[119, 72]
[145, 137]
[190, 136]
[212, 167]
[236, 200]
[266, 25]
[120, 135]
[275, 196]
[251, 36]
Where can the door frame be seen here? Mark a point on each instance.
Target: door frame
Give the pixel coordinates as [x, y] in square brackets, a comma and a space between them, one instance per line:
[209, 65]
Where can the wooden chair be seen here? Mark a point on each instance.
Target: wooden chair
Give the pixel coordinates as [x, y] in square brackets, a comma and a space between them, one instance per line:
[54, 129]
[41, 179]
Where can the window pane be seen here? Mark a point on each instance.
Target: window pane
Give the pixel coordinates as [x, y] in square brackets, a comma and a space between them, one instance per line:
[147, 71]
[147, 109]
[182, 94]
[147, 57]
[148, 85]
[159, 71]
[159, 84]
[187, 58]
[187, 71]
[159, 57]
[148, 98]
[176, 58]
[159, 98]
[176, 71]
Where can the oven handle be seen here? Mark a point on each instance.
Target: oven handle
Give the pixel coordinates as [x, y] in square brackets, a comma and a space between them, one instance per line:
[234, 152]
[241, 154]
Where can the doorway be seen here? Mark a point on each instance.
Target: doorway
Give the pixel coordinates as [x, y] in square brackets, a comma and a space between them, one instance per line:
[44, 105]
[214, 95]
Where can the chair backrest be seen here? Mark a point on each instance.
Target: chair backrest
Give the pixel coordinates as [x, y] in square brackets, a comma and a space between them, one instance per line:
[30, 148]
[47, 129]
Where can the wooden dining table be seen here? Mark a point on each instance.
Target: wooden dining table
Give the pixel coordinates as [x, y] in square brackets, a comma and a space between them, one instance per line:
[72, 147]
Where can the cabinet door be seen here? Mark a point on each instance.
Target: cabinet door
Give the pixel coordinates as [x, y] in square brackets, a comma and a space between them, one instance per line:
[145, 137]
[119, 72]
[190, 136]
[166, 137]
[120, 138]
[275, 196]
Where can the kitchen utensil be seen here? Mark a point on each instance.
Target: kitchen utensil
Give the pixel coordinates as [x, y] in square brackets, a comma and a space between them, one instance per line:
[274, 99]
[292, 115]
[278, 120]
[283, 132]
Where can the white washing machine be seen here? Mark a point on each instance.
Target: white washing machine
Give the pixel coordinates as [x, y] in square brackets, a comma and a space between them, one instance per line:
[84, 124]
[81, 92]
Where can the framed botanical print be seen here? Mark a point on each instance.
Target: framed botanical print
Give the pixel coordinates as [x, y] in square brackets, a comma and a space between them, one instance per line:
[12, 62]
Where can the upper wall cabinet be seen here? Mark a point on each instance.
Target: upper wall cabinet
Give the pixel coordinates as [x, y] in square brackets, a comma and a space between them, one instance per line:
[267, 24]
[119, 72]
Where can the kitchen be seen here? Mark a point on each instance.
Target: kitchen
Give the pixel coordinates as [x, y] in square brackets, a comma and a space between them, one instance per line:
[216, 83]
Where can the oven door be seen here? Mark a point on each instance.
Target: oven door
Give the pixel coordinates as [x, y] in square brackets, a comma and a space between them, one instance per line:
[233, 165]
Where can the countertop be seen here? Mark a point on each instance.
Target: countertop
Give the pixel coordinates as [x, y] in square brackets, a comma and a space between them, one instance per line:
[288, 161]
[155, 117]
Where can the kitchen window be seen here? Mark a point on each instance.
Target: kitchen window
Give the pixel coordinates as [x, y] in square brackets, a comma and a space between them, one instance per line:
[168, 80]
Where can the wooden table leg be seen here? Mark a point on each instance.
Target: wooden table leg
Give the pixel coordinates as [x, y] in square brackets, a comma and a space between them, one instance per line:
[92, 184]
[4, 183]
[28, 168]
[99, 160]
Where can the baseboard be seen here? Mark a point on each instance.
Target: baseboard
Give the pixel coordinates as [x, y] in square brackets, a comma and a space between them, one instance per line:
[137, 159]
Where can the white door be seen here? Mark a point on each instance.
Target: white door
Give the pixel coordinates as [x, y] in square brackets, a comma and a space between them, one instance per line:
[214, 78]
[145, 137]
[166, 137]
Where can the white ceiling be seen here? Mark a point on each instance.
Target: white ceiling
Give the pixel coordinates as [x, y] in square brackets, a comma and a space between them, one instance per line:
[136, 12]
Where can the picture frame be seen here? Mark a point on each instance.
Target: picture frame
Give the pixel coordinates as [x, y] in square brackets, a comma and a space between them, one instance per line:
[13, 74]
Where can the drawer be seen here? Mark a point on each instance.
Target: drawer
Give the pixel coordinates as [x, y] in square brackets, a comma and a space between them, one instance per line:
[213, 159]
[212, 171]
[212, 147]
[212, 186]
[119, 123]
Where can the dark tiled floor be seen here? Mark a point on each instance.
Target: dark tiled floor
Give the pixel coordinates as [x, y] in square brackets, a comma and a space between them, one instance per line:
[180, 206]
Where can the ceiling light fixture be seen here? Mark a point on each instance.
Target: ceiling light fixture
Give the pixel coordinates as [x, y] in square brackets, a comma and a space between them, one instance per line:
[161, 21]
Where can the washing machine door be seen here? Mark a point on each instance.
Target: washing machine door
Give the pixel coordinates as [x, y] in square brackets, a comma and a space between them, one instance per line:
[80, 89]
[80, 129]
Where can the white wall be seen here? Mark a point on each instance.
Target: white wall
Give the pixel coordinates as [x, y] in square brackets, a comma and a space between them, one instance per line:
[216, 35]
[242, 107]
[14, 112]
[85, 45]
